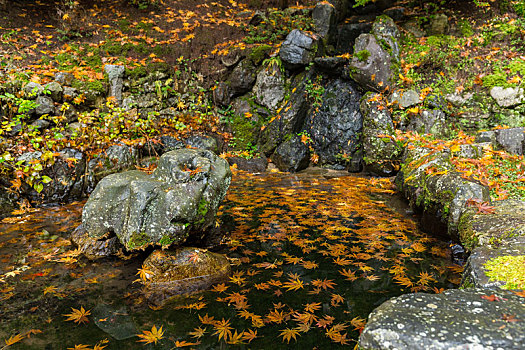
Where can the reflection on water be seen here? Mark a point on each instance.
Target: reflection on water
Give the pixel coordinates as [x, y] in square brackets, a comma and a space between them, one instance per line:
[311, 257]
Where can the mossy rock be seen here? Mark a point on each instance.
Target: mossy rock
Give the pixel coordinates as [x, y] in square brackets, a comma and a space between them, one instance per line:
[183, 271]
[477, 229]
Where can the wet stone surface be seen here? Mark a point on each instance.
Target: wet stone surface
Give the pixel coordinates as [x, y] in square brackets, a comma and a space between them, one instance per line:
[454, 319]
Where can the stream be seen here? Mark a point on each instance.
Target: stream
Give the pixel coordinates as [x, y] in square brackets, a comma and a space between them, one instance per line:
[312, 255]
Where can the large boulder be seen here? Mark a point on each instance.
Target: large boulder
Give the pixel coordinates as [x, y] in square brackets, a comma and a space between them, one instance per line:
[269, 88]
[381, 154]
[335, 127]
[180, 198]
[292, 155]
[454, 319]
[298, 49]
[183, 271]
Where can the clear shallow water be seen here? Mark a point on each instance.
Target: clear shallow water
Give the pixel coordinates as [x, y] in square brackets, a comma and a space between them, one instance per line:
[311, 258]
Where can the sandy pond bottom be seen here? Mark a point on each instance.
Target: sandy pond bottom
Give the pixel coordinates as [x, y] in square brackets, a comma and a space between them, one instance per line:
[312, 255]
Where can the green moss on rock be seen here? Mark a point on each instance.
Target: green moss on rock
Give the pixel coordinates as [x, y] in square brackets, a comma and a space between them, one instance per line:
[508, 269]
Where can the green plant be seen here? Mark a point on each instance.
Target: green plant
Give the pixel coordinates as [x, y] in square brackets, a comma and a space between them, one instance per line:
[314, 92]
[362, 55]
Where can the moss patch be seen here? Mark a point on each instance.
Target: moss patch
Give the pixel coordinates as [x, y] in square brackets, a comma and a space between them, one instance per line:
[509, 269]
[137, 240]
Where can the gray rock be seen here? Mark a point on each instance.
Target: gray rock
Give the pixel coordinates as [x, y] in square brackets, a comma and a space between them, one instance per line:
[180, 198]
[336, 126]
[115, 158]
[66, 175]
[64, 78]
[69, 93]
[298, 49]
[170, 143]
[507, 97]
[203, 142]
[325, 20]
[486, 136]
[257, 18]
[387, 33]
[511, 140]
[371, 65]
[116, 322]
[252, 165]
[222, 94]
[116, 77]
[55, 90]
[128, 103]
[406, 98]
[381, 154]
[40, 124]
[331, 65]
[292, 155]
[242, 78]
[454, 319]
[397, 13]
[459, 100]
[347, 34]
[33, 90]
[95, 248]
[412, 26]
[438, 25]
[45, 105]
[269, 88]
[431, 122]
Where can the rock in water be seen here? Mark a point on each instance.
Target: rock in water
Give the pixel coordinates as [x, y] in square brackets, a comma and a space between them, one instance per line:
[454, 319]
[179, 198]
[183, 271]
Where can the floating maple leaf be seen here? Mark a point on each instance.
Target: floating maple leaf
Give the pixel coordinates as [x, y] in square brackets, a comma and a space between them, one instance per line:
[152, 336]
[78, 315]
[288, 334]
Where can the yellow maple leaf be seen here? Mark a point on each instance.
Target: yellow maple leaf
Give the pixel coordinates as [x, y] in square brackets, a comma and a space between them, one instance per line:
[78, 315]
[152, 336]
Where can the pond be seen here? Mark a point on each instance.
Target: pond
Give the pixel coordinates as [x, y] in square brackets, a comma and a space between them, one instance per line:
[312, 255]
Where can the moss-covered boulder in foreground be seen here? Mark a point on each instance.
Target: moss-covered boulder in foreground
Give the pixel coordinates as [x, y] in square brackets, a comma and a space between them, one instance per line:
[454, 319]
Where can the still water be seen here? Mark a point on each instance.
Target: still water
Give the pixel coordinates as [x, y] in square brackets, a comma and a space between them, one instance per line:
[312, 255]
